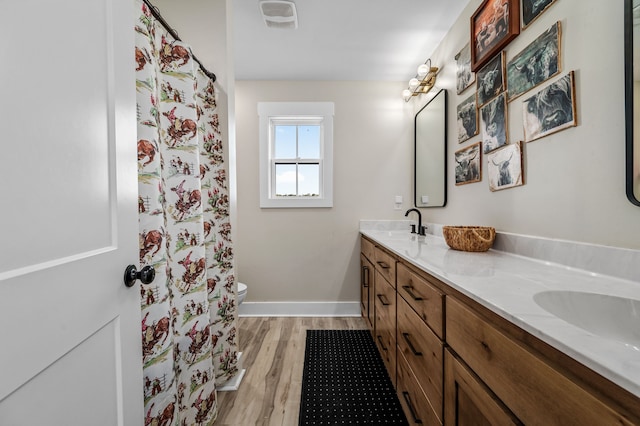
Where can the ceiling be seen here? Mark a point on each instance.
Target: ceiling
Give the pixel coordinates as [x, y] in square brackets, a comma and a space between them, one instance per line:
[342, 39]
[335, 40]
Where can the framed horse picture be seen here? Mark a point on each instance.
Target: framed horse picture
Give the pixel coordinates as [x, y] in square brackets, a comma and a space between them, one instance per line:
[493, 25]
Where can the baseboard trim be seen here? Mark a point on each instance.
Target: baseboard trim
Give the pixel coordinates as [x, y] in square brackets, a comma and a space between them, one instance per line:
[299, 309]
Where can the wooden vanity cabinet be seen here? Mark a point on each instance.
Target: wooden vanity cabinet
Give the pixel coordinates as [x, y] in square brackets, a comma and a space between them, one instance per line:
[378, 300]
[534, 386]
[455, 362]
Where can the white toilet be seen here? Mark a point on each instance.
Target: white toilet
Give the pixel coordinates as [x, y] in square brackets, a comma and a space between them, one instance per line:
[242, 292]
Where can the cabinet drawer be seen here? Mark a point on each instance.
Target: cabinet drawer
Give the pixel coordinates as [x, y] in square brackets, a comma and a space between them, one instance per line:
[366, 248]
[385, 327]
[386, 265]
[386, 342]
[534, 391]
[414, 403]
[385, 304]
[423, 297]
[424, 352]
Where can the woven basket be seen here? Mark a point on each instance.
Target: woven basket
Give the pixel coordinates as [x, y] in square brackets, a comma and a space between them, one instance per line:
[469, 238]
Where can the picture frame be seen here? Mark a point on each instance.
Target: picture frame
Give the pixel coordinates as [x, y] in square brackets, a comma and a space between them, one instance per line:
[536, 63]
[469, 164]
[532, 9]
[493, 25]
[467, 119]
[464, 76]
[504, 167]
[493, 123]
[551, 109]
[490, 79]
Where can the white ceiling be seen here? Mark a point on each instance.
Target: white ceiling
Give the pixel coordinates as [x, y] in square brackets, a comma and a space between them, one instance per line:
[335, 39]
[342, 39]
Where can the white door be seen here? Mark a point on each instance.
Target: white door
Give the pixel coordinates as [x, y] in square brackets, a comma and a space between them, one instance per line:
[70, 346]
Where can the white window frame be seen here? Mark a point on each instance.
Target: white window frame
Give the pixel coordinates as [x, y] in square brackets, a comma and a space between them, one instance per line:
[299, 113]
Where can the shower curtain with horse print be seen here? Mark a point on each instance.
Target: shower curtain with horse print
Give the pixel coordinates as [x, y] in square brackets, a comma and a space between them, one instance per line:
[189, 313]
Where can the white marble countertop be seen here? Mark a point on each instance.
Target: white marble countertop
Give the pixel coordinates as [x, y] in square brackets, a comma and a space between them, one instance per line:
[507, 283]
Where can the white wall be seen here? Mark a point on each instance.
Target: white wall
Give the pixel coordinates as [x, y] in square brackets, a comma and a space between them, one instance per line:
[313, 254]
[574, 180]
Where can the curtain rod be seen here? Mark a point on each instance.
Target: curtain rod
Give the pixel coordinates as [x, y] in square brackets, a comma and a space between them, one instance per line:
[156, 14]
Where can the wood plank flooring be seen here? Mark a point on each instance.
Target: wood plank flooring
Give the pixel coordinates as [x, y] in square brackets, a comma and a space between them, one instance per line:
[273, 355]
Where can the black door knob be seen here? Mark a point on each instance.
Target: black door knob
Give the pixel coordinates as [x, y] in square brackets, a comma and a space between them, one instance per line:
[131, 274]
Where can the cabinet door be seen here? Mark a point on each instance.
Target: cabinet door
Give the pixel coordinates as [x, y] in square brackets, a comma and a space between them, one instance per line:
[366, 290]
[470, 402]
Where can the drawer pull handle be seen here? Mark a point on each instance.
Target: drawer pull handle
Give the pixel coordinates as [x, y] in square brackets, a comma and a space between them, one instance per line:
[413, 348]
[365, 276]
[385, 301]
[383, 265]
[407, 399]
[381, 343]
[409, 290]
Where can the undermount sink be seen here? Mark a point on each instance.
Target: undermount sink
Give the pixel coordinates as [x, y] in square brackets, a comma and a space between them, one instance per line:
[611, 317]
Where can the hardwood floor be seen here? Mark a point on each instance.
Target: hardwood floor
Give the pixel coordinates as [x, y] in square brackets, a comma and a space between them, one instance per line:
[273, 355]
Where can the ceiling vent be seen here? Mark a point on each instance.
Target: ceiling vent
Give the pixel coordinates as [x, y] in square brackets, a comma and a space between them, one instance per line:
[279, 14]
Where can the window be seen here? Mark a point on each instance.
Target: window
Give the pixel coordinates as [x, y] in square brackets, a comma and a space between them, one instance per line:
[296, 153]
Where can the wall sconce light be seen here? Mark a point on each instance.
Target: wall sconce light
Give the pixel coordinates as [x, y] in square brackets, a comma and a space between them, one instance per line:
[423, 82]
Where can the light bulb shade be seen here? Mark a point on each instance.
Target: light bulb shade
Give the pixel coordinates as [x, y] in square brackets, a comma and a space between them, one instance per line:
[423, 70]
[413, 83]
[406, 94]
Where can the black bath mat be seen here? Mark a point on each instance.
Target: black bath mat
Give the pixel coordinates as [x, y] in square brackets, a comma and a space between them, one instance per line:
[345, 382]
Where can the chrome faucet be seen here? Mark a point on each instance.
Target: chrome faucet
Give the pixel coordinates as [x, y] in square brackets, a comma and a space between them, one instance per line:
[422, 230]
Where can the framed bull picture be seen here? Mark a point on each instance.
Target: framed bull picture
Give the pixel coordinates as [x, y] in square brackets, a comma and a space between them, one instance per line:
[468, 162]
[490, 79]
[551, 109]
[504, 167]
[464, 77]
[493, 123]
[531, 9]
[538, 62]
[493, 25]
[467, 119]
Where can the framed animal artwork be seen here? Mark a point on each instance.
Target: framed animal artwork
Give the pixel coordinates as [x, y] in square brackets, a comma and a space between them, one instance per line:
[490, 79]
[551, 109]
[536, 63]
[504, 167]
[531, 9]
[493, 25]
[467, 119]
[464, 76]
[468, 164]
[493, 123]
